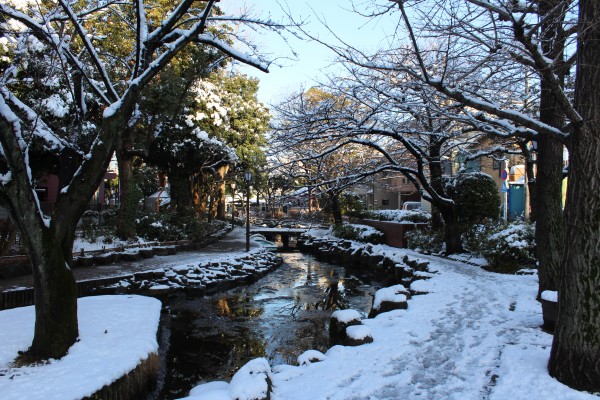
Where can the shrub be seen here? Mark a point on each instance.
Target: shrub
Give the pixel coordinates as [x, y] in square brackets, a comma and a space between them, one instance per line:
[95, 224]
[197, 230]
[165, 227]
[475, 239]
[477, 196]
[510, 247]
[159, 227]
[359, 233]
[392, 215]
[426, 240]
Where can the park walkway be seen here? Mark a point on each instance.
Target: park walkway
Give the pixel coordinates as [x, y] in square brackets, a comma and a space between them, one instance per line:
[232, 243]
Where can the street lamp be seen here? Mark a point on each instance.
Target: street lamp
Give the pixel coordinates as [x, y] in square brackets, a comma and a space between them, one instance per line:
[232, 205]
[248, 178]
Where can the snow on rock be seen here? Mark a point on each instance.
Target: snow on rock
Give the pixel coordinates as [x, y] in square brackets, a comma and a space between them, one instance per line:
[358, 332]
[115, 334]
[345, 316]
[358, 335]
[252, 381]
[422, 286]
[217, 390]
[310, 356]
[340, 320]
[550, 295]
[392, 294]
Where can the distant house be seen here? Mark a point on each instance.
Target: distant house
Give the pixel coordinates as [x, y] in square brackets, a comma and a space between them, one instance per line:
[387, 191]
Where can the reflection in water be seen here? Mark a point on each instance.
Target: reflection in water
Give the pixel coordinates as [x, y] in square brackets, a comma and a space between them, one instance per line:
[278, 317]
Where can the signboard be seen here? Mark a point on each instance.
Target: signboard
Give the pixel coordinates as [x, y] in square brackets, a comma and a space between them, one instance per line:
[504, 174]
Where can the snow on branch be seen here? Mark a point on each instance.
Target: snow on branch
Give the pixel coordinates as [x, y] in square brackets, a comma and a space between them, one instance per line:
[91, 50]
[38, 126]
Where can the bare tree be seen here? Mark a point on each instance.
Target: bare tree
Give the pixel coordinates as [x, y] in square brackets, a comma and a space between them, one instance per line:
[406, 127]
[486, 37]
[306, 153]
[92, 69]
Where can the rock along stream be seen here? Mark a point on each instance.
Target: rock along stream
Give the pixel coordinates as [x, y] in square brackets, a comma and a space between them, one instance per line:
[278, 317]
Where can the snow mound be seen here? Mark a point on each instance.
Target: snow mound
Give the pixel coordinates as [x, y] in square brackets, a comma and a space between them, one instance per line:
[392, 294]
[218, 390]
[115, 331]
[422, 286]
[550, 295]
[345, 316]
[251, 382]
[310, 356]
[358, 332]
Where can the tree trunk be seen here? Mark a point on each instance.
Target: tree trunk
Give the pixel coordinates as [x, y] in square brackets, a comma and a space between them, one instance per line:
[452, 230]
[221, 206]
[549, 233]
[181, 194]
[436, 176]
[575, 356]
[127, 205]
[55, 296]
[336, 210]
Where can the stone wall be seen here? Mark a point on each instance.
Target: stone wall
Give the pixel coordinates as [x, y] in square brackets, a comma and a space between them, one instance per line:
[134, 385]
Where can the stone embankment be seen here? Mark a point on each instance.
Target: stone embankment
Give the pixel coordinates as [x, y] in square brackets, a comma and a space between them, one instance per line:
[19, 265]
[353, 255]
[346, 327]
[196, 280]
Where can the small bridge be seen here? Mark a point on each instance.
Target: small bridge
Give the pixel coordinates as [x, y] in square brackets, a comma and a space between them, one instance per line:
[284, 233]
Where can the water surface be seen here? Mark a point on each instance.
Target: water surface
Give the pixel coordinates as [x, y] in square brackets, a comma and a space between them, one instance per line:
[279, 317]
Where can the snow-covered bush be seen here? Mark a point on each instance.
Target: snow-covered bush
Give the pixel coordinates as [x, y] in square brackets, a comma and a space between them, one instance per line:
[167, 226]
[425, 240]
[475, 239]
[403, 216]
[360, 233]
[507, 248]
[159, 227]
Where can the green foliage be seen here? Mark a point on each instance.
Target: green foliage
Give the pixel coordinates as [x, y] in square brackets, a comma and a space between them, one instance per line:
[146, 178]
[160, 227]
[359, 233]
[94, 224]
[227, 108]
[476, 195]
[129, 212]
[426, 240]
[351, 202]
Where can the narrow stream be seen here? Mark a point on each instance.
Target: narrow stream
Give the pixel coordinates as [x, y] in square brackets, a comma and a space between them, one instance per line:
[279, 317]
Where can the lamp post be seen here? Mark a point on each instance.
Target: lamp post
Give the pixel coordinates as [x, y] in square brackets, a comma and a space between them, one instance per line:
[248, 178]
[232, 205]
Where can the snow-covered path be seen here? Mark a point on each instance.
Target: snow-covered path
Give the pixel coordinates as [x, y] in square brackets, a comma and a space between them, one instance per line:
[476, 335]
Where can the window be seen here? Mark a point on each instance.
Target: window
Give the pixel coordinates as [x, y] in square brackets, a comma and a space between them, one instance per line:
[385, 202]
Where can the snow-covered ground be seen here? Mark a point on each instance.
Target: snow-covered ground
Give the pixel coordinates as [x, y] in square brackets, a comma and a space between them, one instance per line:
[475, 335]
[115, 334]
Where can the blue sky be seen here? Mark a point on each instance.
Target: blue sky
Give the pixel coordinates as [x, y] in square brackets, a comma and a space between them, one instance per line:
[314, 60]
